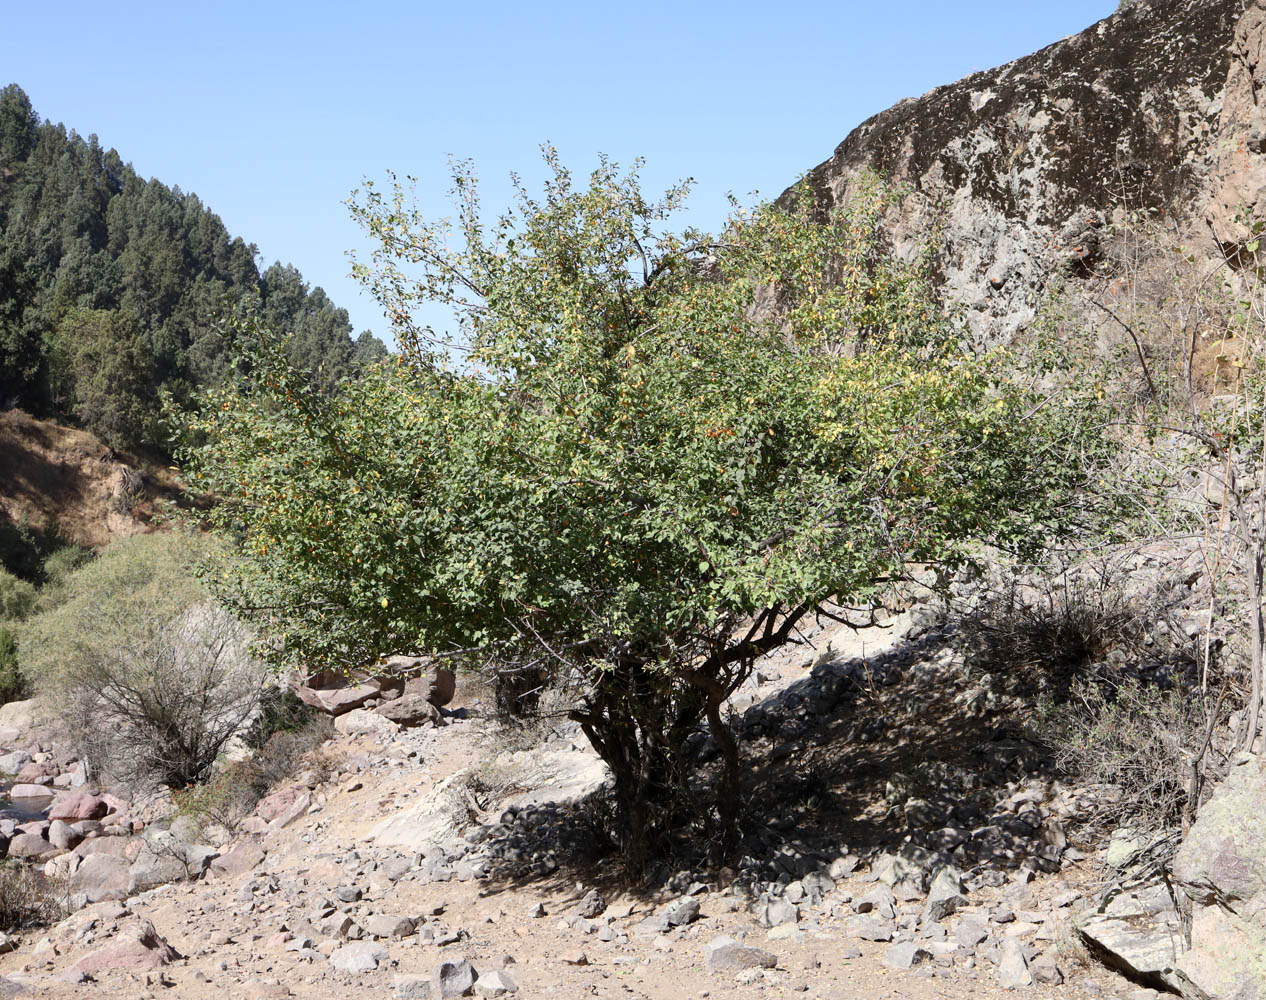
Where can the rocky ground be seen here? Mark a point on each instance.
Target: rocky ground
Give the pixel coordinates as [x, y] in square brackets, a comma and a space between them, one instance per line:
[438, 861]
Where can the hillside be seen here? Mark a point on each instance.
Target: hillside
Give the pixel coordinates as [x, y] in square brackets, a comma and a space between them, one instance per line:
[113, 288]
[61, 485]
[1022, 170]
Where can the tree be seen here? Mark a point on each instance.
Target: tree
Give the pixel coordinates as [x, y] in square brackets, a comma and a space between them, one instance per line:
[645, 460]
[105, 375]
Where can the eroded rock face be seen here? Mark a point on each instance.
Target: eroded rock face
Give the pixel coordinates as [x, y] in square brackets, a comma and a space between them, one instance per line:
[1151, 107]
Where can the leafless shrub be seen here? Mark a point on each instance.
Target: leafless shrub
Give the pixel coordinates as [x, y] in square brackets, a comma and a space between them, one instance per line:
[28, 897]
[162, 706]
[1150, 747]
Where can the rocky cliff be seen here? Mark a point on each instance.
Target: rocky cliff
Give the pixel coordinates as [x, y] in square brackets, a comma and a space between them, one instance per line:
[1023, 166]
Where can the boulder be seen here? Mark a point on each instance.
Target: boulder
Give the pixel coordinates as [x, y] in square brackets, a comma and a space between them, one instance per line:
[63, 836]
[945, 895]
[385, 925]
[138, 947]
[906, 955]
[360, 722]
[1223, 857]
[725, 955]
[410, 711]
[338, 700]
[79, 804]
[453, 979]
[12, 763]
[26, 790]
[495, 984]
[22, 715]
[166, 859]
[438, 687]
[1013, 967]
[358, 956]
[238, 861]
[30, 845]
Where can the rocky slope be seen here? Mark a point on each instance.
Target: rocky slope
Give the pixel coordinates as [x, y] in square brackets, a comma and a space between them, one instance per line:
[1022, 167]
[435, 861]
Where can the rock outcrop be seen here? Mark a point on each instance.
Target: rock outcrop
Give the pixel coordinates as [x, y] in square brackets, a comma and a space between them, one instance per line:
[1022, 166]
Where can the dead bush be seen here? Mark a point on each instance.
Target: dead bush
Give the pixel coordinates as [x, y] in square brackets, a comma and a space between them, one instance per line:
[151, 679]
[231, 794]
[1150, 749]
[1039, 631]
[28, 897]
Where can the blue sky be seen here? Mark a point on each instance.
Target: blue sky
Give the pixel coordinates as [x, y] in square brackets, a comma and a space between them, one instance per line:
[273, 112]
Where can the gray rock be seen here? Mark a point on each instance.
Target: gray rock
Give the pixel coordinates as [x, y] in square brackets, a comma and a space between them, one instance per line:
[817, 885]
[870, 928]
[725, 955]
[945, 895]
[879, 901]
[495, 984]
[410, 712]
[1013, 967]
[777, 912]
[969, 933]
[906, 955]
[358, 956]
[412, 987]
[1045, 970]
[12, 763]
[1223, 856]
[453, 979]
[591, 905]
[682, 912]
[385, 925]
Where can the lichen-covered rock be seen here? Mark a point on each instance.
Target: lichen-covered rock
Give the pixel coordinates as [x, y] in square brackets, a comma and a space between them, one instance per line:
[1223, 857]
[1156, 106]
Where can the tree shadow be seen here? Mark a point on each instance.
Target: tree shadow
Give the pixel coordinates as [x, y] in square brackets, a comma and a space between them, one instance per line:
[858, 757]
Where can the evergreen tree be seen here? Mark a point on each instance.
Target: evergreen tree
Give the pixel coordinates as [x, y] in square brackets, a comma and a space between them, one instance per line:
[82, 236]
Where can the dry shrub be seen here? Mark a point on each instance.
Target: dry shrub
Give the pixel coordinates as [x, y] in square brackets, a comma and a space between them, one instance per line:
[28, 897]
[231, 794]
[1149, 746]
[151, 679]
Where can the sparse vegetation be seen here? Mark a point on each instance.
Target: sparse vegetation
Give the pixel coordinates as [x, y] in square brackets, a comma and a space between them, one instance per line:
[152, 679]
[28, 897]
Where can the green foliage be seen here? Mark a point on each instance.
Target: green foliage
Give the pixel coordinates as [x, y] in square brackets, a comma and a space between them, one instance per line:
[63, 561]
[17, 597]
[13, 685]
[111, 287]
[648, 457]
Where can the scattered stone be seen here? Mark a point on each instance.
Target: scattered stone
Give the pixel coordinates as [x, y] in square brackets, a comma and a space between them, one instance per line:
[906, 955]
[77, 805]
[682, 912]
[591, 905]
[725, 955]
[358, 956]
[453, 979]
[1013, 967]
[495, 984]
[945, 895]
[139, 947]
[778, 911]
[412, 987]
[870, 928]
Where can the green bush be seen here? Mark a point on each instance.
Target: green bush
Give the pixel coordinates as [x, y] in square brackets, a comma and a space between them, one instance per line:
[13, 685]
[17, 597]
[649, 467]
